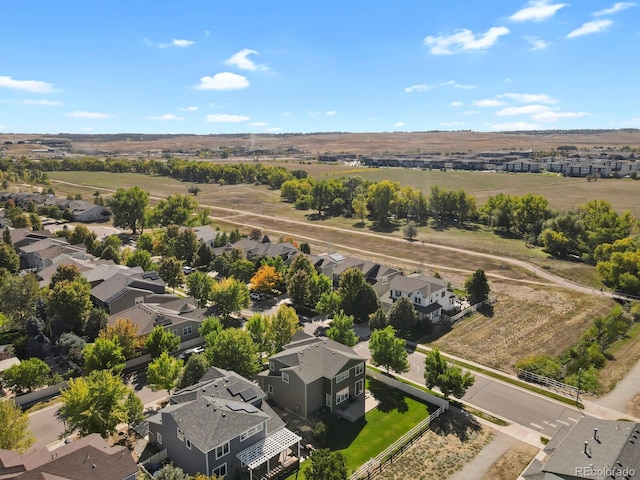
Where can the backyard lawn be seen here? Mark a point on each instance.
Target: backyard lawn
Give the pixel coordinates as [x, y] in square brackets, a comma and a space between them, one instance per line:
[360, 441]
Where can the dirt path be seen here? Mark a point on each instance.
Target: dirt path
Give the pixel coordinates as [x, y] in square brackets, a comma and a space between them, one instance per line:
[414, 247]
[488, 456]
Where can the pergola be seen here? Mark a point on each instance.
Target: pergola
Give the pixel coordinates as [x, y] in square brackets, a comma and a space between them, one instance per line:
[264, 450]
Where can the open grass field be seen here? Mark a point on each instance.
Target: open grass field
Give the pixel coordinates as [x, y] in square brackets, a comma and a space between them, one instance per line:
[529, 320]
[512, 462]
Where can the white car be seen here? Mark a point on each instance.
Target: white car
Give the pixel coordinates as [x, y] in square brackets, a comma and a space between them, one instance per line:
[256, 296]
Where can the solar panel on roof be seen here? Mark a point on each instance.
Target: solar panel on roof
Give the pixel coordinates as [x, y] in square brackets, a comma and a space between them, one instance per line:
[236, 387]
[248, 393]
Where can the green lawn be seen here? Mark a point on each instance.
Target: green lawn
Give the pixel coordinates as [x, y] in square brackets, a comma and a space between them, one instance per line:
[360, 441]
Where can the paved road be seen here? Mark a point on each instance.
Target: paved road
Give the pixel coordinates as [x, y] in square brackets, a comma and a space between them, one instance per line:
[47, 428]
[502, 399]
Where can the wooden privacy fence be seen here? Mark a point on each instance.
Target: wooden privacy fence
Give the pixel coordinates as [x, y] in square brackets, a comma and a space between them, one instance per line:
[375, 465]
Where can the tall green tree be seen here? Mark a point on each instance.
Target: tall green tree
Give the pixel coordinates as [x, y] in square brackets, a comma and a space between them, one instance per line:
[229, 296]
[357, 297]
[140, 258]
[14, 427]
[94, 404]
[233, 349]
[381, 195]
[281, 328]
[103, 354]
[71, 302]
[18, 296]
[9, 259]
[29, 374]
[322, 195]
[257, 326]
[378, 320]
[299, 287]
[450, 379]
[326, 465]
[134, 409]
[170, 270]
[174, 210]
[163, 372]
[63, 272]
[126, 334]
[402, 315]
[388, 351]
[477, 286]
[210, 325]
[359, 207]
[341, 330]
[200, 286]
[410, 231]
[161, 341]
[195, 368]
[128, 207]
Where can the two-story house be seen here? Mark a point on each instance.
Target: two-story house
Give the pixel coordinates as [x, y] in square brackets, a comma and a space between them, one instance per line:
[221, 426]
[429, 295]
[313, 374]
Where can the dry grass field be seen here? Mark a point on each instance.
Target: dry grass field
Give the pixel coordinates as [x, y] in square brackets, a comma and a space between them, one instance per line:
[526, 320]
[359, 143]
[512, 463]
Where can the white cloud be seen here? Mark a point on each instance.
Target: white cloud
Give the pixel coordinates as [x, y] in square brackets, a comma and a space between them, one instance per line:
[188, 109]
[455, 104]
[241, 61]
[399, 124]
[331, 113]
[489, 102]
[464, 40]
[537, 43]
[166, 116]
[318, 113]
[417, 88]
[48, 103]
[471, 112]
[91, 115]
[523, 110]
[530, 97]
[35, 86]
[537, 11]
[502, 127]
[223, 81]
[258, 124]
[617, 7]
[594, 26]
[182, 43]
[225, 118]
[553, 116]
[274, 129]
[465, 87]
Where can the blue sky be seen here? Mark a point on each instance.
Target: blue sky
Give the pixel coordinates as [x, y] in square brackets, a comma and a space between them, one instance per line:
[308, 66]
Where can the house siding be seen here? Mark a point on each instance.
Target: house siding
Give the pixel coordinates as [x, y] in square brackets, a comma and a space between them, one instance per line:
[315, 396]
[189, 460]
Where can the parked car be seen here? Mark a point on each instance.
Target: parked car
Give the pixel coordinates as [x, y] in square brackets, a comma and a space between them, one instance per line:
[190, 351]
[256, 296]
[187, 270]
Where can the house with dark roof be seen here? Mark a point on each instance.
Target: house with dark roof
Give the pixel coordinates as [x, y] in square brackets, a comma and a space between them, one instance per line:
[429, 295]
[206, 234]
[30, 250]
[86, 458]
[374, 273]
[222, 426]
[124, 290]
[592, 449]
[177, 315]
[253, 249]
[313, 374]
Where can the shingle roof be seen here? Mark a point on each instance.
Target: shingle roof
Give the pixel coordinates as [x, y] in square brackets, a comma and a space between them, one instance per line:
[417, 283]
[147, 315]
[311, 358]
[86, 458]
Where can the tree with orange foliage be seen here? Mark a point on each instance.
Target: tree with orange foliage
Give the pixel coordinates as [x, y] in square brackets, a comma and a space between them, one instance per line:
[126, 334]
[265, 279]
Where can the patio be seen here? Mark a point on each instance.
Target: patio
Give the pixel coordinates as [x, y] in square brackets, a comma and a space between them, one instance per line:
[276, 448]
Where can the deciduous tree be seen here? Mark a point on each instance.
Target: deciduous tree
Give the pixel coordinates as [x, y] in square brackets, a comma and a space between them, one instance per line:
[326, 465]
[477, 286]
[378, 320]
[14, 427]
[126, 334]
[450, 379]
[200, 286]
[103, 354]
[161, 341]
[402, 315]
[229, 296]
[341, 330]
[195, 368]
[9, 259]
[281, 328]
[266, 279]
[71, 302]
[174, 210]
[140, 258]
[128, 207]
[410, 231]
[388, 351]
[29, 374]
[163, 372]
[357, 297]
[170, 270]
[233, 349]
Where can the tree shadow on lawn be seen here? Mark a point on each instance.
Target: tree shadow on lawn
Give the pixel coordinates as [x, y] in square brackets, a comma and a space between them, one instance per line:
[390, 399]
[486, 310]
[343, 433]
[456, 422]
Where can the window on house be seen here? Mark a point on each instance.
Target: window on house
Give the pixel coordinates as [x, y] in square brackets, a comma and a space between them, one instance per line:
[159, 437]
[180, 435]
[186, 331]
[270, 389]
[187, 442]
[359, 369]
[139, 300]
[342, 376]
[219, 472]
[285, 377]
[416, 300]
[251, 432]
[442, 294]
[359, 386]
[327, 400]
[222, 450]
[272, 366]
[342, 395]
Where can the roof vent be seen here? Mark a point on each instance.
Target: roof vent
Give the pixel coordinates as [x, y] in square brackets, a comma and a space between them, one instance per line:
[595, 435]
[93, 466]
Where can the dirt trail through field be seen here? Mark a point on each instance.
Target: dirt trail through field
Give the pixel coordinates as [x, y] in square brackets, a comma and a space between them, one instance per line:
[416, 248]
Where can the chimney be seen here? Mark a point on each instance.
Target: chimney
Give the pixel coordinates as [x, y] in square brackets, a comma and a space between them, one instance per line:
[586, 448]
[595, 434]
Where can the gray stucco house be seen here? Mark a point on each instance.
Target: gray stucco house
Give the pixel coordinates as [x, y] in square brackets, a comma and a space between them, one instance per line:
[222, 426]
[313, 374]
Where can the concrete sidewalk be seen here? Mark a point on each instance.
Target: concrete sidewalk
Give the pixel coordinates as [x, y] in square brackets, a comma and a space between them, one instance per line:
[481, 463]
